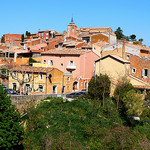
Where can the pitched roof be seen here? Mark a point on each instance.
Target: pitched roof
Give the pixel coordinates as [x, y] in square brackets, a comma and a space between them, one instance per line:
[38, 46]
[6, 66]
[32, 69]
[66, 51]
[101, 44]
[115, 57]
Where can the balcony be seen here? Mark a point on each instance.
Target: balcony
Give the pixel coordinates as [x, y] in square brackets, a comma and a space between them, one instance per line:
[71, 67]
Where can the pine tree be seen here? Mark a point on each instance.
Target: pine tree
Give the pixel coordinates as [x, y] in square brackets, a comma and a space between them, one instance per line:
[119, 33]
[10, 130]
[2, 39]
[22, 37]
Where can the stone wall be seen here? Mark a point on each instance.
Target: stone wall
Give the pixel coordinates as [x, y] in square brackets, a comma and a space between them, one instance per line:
[23, 101]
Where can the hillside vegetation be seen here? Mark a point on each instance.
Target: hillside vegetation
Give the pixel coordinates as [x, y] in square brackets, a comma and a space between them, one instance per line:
[82, 124]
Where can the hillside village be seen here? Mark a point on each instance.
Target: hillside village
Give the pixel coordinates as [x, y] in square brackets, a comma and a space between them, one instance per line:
[41, 70]
[48, 62]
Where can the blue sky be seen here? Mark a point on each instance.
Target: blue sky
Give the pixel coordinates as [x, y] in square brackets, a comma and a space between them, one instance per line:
[30, 15]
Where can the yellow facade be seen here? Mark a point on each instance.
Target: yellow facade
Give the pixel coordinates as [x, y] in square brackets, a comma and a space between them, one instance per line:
[112, 68]
[116, 69]
[51, 82]
[117, 51]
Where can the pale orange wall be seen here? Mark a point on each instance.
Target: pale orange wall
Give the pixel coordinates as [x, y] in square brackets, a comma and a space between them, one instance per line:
[25, 61]
[38, 59]
[56, 79]
[64, 59]
[68, 84]
[87, 61]
[99, 37]
[117, 52]
[22, 61]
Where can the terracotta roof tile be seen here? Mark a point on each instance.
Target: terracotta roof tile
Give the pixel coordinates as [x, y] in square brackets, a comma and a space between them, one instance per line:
[32, 69]
[66, 51]
[38, 46]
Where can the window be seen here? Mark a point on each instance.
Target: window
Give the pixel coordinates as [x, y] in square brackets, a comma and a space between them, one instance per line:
[145, 73]
[61, 64]
[40, 76]
[28, 76]
[42, 34]
[51, 62]
[71, 63]
[127, 66]
[14, 86]
[14, 73]
[46, 33]
[134, 70]
[81, 84]
[68, 79]
[44, 61]
[54, 89]
[128, 56]
[71, 72]
[94, 48]
[40, 88]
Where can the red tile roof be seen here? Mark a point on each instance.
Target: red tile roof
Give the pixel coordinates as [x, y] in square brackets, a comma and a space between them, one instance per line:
[66, 51]
[32, 69]
[38, 46]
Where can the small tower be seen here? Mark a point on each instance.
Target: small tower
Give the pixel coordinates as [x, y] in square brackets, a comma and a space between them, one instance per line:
[71, 31]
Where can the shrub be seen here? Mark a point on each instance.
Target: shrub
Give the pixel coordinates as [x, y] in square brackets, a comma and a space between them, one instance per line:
[99, 87]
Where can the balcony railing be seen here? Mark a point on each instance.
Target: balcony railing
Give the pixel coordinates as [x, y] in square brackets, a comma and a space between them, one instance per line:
[71, 67]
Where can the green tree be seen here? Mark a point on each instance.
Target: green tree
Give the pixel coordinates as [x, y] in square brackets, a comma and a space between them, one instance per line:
[141, 40]
[122, 88]
[119, 33]
[133, 37]
[28, 33]
[10, 130]
[126, 38]
[22, 37]
[4, 73]
[99, 87]
[31, 60]
[133, 103]
[2, 39]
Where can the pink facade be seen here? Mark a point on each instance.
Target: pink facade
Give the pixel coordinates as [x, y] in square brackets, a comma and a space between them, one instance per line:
[80, 65]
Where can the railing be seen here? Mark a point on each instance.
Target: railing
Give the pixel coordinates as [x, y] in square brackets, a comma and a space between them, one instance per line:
[71, 67]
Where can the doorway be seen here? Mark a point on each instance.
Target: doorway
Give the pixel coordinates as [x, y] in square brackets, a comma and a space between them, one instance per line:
[54, 89]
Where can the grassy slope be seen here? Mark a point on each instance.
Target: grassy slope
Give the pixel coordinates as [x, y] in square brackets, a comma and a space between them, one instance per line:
[80, 124]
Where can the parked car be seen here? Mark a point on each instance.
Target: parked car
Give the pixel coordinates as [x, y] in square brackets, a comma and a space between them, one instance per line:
[12, 92]
[82, 93]
[73, 95]
[84, 90]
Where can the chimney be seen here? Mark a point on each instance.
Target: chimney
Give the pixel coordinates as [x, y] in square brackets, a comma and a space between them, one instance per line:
[39, 29]
[123, 51]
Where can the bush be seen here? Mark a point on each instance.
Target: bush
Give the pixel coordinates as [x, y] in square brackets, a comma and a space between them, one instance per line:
[10, 130]
[99, 87]
[79, 124]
